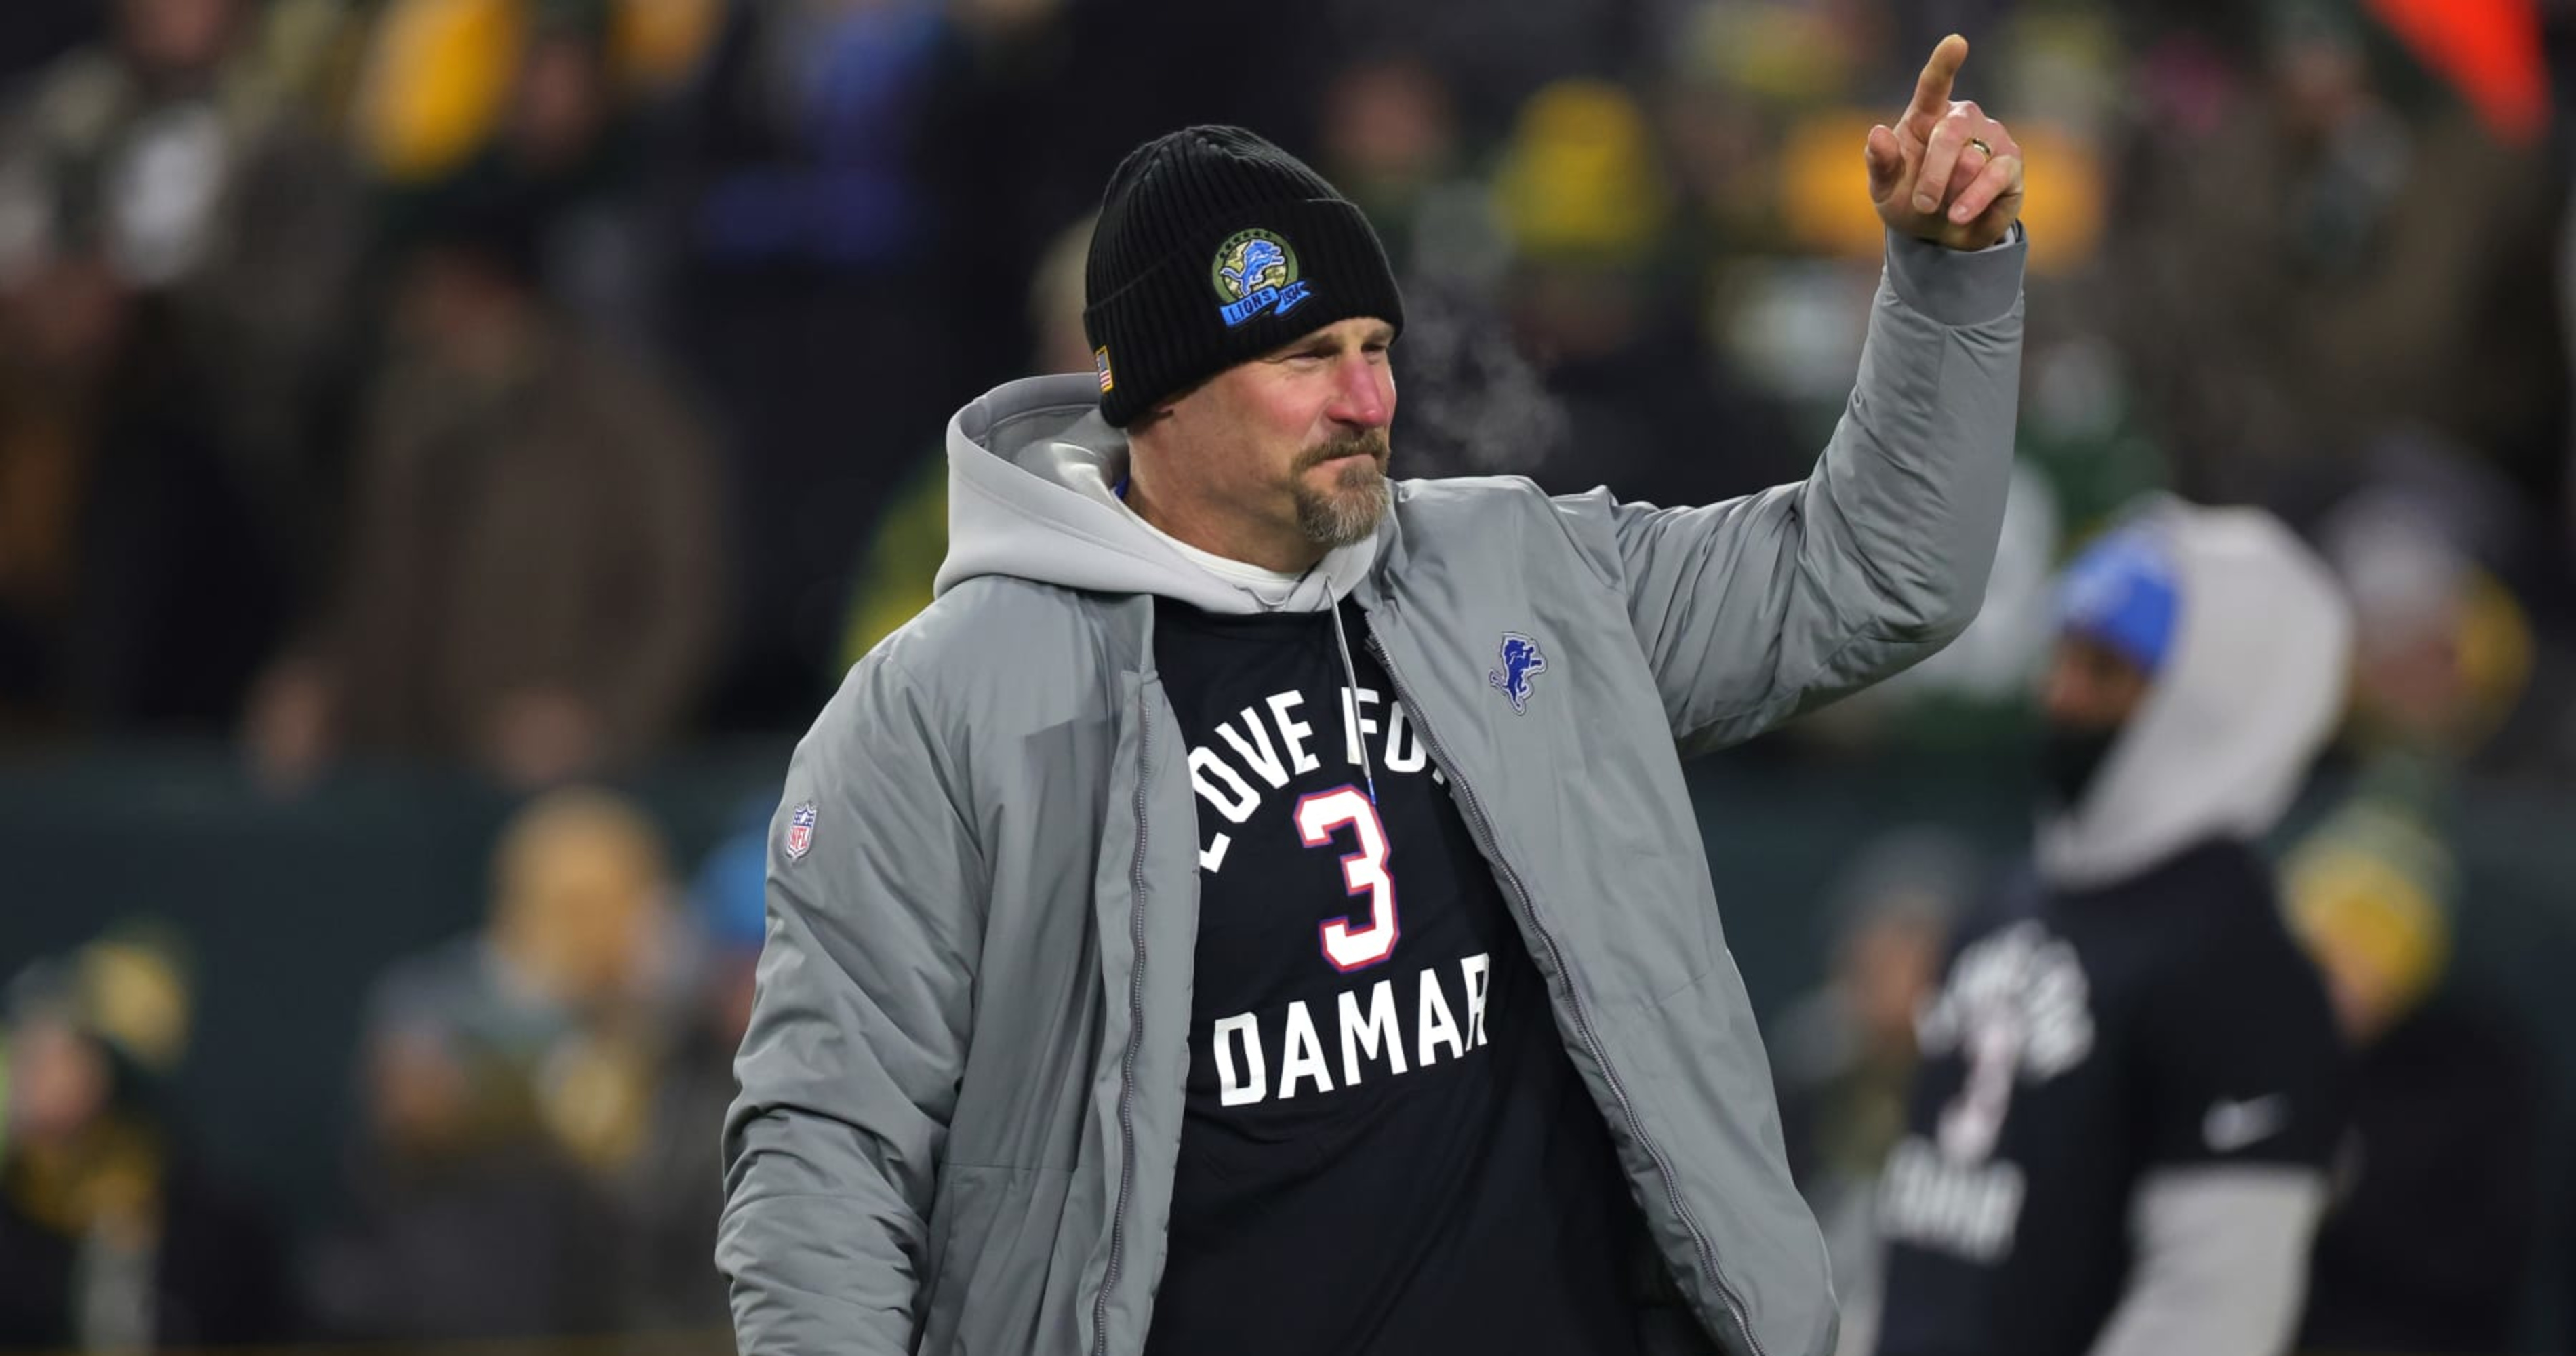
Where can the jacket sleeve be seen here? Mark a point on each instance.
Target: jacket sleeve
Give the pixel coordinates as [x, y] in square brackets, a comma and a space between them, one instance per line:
[858, 1036]
[1756, 609]
[2219, 1261]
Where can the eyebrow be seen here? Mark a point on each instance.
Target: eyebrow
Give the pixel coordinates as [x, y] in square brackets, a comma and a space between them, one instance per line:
[1320, 342]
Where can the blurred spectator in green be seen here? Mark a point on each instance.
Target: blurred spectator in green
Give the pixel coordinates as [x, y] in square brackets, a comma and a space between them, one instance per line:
[1614, 332]
[1844, 1053]
[112, 1238]
[2429, 1243]
[508, 1076]
[174, 249]
[530, 573]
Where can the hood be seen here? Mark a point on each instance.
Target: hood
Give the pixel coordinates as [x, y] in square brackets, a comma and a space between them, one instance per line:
[1030, 470]
[2249, 691]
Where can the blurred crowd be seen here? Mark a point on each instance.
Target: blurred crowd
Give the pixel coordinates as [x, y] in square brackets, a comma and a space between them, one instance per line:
[533, 386]
[529, 1142]
[532, 1146]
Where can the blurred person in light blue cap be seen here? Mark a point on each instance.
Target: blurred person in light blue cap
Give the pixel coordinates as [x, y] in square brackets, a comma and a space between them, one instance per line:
[2131, 1082]
[727, 900]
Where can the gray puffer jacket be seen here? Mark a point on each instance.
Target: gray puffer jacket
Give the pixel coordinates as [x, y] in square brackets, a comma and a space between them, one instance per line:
[962, 1087]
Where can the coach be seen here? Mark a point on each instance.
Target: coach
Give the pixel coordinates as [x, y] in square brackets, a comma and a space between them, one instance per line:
[1256, 907]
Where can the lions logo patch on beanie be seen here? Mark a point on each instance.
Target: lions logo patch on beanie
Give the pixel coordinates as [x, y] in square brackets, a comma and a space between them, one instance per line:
[1255, 270]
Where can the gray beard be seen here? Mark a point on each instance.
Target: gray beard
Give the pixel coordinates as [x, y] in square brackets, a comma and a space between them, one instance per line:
[1349, 512]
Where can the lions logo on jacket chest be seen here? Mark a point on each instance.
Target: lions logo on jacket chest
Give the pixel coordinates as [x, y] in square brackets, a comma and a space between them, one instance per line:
[1521, 662]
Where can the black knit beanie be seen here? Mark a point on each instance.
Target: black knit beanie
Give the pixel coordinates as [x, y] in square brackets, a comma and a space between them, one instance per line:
[1213, 248]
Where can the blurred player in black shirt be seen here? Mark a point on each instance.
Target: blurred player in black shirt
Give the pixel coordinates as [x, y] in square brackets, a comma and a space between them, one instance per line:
[2131, 1080]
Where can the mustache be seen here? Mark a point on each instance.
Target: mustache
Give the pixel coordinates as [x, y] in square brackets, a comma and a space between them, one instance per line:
[1371, 444]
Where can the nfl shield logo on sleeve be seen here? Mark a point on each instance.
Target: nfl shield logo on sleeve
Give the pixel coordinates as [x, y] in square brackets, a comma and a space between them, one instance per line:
[800, 831]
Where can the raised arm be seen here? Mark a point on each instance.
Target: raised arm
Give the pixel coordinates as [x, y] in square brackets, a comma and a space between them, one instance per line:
[1756, 609]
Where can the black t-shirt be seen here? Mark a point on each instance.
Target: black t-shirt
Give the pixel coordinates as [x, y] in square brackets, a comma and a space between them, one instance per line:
[1386, 1148]
[2079, 1043]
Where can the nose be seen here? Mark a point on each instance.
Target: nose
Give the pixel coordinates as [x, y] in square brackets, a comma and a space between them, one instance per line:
[2061, 690]
[1363, 391]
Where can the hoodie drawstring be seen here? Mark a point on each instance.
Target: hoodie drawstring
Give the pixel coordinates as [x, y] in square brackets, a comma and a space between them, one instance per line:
[1351, 701]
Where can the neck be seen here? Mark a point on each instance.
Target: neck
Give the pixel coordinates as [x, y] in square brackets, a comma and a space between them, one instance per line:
[1287, 550]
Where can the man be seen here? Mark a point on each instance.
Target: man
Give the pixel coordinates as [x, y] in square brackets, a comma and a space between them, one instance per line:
[1256, 907]
[2429, 1244]
[2131, 1080]
[113, 1233]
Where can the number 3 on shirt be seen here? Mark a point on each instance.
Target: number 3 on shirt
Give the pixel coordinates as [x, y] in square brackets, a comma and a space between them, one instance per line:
[1364, 871]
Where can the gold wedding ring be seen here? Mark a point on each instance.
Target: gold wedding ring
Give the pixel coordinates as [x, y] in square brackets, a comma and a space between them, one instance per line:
[1980, 144]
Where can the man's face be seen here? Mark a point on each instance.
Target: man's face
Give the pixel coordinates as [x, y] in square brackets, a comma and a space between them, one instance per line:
[2090, 692]
[177, 35]
[1886, 971]
[1292, 442]
[59, 1082]
[578, 917]
[2091, 688]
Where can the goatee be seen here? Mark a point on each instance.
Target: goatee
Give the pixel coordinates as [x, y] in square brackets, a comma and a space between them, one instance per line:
[1351, 509]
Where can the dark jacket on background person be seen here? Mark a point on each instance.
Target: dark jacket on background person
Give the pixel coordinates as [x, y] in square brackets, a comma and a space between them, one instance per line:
[2430, 1243]
[208, 1270]
[963, 1082]
[505, 1240]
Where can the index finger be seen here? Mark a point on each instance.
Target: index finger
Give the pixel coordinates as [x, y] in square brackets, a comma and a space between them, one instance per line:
[1932, 88]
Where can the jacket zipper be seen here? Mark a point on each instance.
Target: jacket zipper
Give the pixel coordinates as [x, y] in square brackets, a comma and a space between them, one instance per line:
[1135, 1037]
[1511, 880]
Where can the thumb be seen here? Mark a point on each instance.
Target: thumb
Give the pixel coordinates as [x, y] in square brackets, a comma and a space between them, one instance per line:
[1886, 159]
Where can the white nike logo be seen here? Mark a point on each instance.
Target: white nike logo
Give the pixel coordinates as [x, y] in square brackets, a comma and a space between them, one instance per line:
[2232, 1125]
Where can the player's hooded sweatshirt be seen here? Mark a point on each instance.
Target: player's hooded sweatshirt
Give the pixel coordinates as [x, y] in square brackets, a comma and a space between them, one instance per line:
[968, 1080]
[2131, 1078]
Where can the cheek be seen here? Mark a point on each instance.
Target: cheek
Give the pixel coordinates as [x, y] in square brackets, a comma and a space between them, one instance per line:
[2061, 691]
[1299, 419]
[1279, 428]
